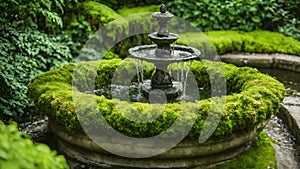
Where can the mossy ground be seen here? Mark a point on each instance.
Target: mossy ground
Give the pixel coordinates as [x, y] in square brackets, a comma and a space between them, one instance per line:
[261, 155]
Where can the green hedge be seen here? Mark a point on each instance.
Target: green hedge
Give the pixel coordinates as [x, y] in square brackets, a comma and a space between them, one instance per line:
[246, 15]
[17, 151]
[237, 41]
[255, 97]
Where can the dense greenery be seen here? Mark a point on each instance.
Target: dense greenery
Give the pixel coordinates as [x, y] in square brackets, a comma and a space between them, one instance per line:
[27, 51]
[17, 151]
[255, 98]
[84, 19]
[247, 15]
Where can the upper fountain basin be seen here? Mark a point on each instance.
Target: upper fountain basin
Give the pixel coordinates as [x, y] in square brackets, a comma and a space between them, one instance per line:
[179, 53]
[172, 37]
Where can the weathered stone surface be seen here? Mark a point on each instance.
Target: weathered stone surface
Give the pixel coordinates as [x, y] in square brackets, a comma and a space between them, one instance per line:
[280, 61]
[291, 115]
[187, 154]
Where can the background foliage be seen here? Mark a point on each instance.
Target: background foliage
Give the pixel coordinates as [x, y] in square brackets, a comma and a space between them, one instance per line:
[244, 15]
[26, 50]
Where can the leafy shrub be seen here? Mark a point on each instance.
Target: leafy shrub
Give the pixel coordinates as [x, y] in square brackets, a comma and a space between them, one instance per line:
[255, 97]
[42, 14]
[25, 54]
[84, 19]
[247, 15]
[17, 151]
[25, 51]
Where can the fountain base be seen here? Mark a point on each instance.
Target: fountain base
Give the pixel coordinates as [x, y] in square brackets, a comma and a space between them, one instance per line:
[162, 95]
[187, 154]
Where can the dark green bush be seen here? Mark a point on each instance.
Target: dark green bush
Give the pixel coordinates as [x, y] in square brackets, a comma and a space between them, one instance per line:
[84, 19]
[24, 54]
[255, 97]
[25, 51]
[17, 151]
[247, 15]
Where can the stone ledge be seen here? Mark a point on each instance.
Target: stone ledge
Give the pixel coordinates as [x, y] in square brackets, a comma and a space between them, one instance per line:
[280, 61]
[291, 116]
[187, 154]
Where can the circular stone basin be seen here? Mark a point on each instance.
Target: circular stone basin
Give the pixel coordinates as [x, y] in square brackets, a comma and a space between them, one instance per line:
[179, 53]
[252, 99]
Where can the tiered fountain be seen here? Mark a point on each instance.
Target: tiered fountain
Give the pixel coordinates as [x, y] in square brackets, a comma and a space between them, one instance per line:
[98, 129]
[163, 53]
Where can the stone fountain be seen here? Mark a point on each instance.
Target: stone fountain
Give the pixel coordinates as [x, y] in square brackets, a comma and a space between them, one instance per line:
[91, 127]
[162, 54]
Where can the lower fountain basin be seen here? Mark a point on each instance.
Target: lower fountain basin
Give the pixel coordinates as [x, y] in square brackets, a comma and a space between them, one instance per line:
[179, 53]
[187, 154]
[245, 114]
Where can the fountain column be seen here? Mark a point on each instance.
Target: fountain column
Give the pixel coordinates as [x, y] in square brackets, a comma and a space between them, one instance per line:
[162, 78]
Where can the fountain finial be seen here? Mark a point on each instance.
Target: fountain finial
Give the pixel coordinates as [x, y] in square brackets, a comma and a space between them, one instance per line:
[163, 8]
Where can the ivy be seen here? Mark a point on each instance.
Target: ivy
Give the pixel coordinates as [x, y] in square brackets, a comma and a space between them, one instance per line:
[25, 50]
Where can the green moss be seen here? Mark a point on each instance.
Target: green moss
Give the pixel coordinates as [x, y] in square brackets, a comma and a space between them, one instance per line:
[252, 99]
[235, 41]
[128, 11]
[261, 155]
[99, 12]
[17, 151]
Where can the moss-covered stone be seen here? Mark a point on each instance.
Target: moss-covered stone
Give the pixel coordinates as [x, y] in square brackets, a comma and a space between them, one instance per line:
[253, 98]
[236, 41]
[260, 155]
